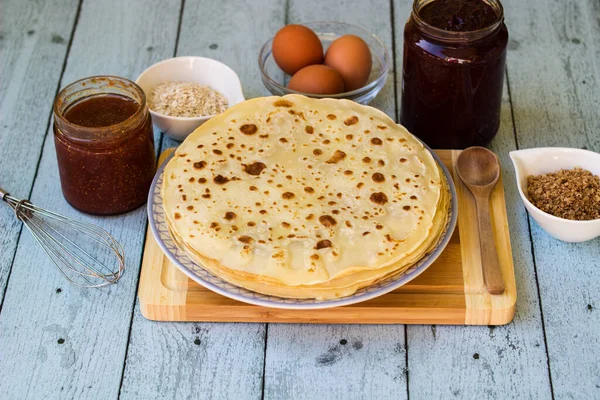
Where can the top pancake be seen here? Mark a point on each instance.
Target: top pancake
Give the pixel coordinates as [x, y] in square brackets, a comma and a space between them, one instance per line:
[298, 191]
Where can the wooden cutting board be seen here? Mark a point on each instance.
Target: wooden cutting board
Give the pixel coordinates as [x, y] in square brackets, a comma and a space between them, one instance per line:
[450, 291]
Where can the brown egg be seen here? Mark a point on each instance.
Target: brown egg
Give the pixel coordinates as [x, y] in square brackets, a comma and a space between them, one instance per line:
[317, 79]
[295, 47]
[351, 57]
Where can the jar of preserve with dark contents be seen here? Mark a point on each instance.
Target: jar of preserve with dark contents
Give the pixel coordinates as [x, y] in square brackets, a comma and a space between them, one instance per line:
[453, 72]
[104, 145]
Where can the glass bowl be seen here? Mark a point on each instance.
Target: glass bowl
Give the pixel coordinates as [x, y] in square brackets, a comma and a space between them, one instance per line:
[275, 79]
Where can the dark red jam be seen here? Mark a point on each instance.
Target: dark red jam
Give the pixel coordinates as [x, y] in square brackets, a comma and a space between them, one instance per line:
[453, 72]
[458, 16]
[105, 148]
[101, 110]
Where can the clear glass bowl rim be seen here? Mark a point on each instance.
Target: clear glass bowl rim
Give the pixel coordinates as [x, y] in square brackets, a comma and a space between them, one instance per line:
[360, 91]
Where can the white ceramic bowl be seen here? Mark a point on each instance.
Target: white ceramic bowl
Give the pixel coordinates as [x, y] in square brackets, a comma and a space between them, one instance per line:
[204, 71]
[550, 159]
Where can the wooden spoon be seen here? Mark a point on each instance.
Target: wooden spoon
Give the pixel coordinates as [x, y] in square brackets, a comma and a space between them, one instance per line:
[479, 170]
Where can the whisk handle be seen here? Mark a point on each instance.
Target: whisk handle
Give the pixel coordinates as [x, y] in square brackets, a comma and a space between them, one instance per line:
[2, 193]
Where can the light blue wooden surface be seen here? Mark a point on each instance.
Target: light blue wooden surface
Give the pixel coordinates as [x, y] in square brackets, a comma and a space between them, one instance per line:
[552, 97]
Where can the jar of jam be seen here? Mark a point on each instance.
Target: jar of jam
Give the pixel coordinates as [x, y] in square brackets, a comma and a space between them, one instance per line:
[453, 72]
[104, 145]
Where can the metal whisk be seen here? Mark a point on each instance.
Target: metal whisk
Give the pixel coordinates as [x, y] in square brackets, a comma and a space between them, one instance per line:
[69, 242]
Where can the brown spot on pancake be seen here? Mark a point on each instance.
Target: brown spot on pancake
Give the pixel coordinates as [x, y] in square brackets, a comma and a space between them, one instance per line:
[323, 244]
[229, 145]
[351, 121]
[230, 215]
[381, 163]
[378, 226]
[366, 233]
[348, 172]
[200, 164]
[378, 198]
[309, 217]
[283, 140]
[366, 160]
[248, 129]
[263, 212]
[382, 127]
[314, 257]
[378, 177]
[413, 197]
[283, 103]
[252, 188]
[376, 141]
[288, 195]
[206, 196]
[285, 224]
[336, 157]
[191, 180]
[245, 239]
[360, 184]
[255, 168]
[349, 137]
[220, 180]
[406, 208]
[331, 117]
[217, 152]
[201, 180]
[251, 223]
[213, 225]
[177, 215]
[327, 221]
[317, 152]
[309, 129]
[190, 208]
[403, 160]
[184, 197]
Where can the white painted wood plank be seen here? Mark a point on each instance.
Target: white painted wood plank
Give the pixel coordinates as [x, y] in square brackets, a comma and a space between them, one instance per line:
[33, 46]
[496, 362]
[163, 360]
[555, 82]
[72, 343]
[193, 361]
[335, 362]
[481, 362]
[309, 361]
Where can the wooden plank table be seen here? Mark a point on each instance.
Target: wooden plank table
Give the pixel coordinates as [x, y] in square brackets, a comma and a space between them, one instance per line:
[61, 342]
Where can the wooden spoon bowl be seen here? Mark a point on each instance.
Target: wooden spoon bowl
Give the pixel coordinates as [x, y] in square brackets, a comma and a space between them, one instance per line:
[479, 169]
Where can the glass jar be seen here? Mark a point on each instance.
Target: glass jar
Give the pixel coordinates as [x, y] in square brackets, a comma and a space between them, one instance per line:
[104, 145]
[452, 81]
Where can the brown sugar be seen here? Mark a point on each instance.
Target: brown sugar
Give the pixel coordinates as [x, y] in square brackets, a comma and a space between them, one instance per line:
[570, 194]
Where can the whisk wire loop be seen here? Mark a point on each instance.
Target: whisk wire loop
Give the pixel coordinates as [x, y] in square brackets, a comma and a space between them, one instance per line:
[63, 239]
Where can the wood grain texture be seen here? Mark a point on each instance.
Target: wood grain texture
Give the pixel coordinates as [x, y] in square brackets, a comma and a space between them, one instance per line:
[284, 357]
[194, 361]
[555, 80]
[335, 362]
[229, 361]
[507, 361]
[71, 343]
[451, 291]
[33, 47]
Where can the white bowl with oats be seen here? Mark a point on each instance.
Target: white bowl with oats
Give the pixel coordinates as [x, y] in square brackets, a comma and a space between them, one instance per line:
[184, 92]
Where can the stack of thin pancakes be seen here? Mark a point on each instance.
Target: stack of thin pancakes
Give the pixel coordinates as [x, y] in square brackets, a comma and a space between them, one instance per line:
[303, 198]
